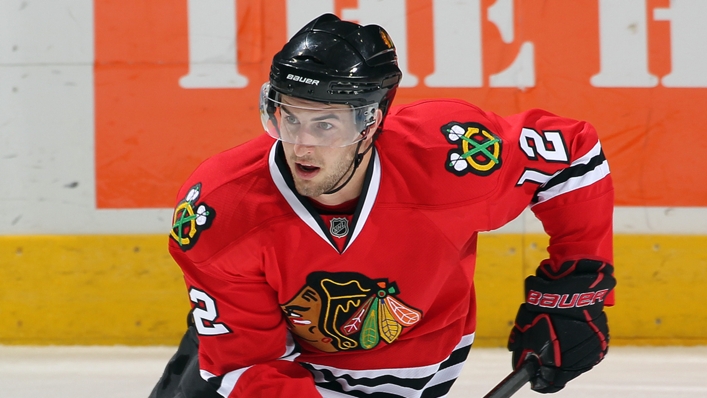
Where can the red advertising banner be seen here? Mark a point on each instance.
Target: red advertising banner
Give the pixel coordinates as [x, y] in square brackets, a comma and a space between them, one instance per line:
[178, 81]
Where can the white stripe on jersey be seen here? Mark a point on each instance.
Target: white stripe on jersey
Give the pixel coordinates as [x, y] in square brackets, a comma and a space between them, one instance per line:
[228, 381]
[290, 196]
[579, 181]
[575, 183]
[595, 151]
[371, 195]
[436, 373]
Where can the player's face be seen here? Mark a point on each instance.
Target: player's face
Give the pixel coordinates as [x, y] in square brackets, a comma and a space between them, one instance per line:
[313, 123]
[317, 169]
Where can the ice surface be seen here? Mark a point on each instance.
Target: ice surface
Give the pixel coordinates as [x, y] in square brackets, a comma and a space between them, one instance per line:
[113, 372]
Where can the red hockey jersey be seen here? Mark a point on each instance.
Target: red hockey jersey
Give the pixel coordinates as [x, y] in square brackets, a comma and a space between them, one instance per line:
[290, 303]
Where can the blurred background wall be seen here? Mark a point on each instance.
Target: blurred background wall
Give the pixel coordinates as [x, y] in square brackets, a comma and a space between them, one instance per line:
[106, 106]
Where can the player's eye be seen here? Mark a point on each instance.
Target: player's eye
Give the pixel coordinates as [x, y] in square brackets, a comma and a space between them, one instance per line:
[324, 126]
[289, 119]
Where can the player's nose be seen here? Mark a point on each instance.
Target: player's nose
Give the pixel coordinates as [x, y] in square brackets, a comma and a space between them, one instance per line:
[301, 149]
[304, 142]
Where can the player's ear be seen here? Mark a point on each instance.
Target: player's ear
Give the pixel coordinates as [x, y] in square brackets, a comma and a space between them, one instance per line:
[379, 117]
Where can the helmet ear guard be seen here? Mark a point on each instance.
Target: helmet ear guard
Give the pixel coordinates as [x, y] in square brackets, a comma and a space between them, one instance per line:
[365, 117]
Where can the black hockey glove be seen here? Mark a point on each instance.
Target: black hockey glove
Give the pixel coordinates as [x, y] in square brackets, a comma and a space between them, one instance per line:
[563, 322]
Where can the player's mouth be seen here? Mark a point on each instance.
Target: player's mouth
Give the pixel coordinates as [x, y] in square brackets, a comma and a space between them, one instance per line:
[306, 170]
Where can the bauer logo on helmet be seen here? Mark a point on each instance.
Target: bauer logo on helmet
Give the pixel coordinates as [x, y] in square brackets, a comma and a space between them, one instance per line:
[301, 79]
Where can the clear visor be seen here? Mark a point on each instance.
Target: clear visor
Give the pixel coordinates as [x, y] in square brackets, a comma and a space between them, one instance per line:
[303, 122]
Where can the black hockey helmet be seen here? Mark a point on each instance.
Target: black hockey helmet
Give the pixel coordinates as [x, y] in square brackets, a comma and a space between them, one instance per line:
[335, 62]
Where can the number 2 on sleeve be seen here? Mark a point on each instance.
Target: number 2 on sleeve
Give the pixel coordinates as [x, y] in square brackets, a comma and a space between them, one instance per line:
[205, 313]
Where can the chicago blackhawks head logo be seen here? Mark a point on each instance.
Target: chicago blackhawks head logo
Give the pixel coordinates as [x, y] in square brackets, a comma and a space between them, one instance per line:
[190, 218]
[477, 149]
[347, 310]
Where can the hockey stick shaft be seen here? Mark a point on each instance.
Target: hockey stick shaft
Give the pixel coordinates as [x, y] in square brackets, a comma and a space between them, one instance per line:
[515, 380]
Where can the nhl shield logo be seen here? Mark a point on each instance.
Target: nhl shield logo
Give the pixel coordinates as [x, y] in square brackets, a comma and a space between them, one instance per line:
[339, 227]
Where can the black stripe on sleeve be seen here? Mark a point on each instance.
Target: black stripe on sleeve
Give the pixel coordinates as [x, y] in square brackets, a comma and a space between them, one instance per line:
[570, 172]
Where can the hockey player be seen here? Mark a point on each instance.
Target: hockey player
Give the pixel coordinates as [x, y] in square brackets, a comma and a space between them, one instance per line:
[334, 256]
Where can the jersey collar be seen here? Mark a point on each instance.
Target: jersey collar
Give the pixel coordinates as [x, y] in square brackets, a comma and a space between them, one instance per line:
[308, 214]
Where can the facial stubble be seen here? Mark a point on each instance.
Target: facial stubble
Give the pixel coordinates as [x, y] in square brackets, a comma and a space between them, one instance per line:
[336, 175]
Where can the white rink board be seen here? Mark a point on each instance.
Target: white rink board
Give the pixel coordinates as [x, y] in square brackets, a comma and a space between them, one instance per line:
[47, 136]
[129, 372]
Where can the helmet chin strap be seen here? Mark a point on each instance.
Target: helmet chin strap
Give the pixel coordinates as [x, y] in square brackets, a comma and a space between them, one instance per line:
[355, 163]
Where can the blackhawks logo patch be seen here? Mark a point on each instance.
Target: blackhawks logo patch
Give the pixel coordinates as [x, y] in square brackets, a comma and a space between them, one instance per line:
[348, 311]
[477, 150]
[190, 218]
